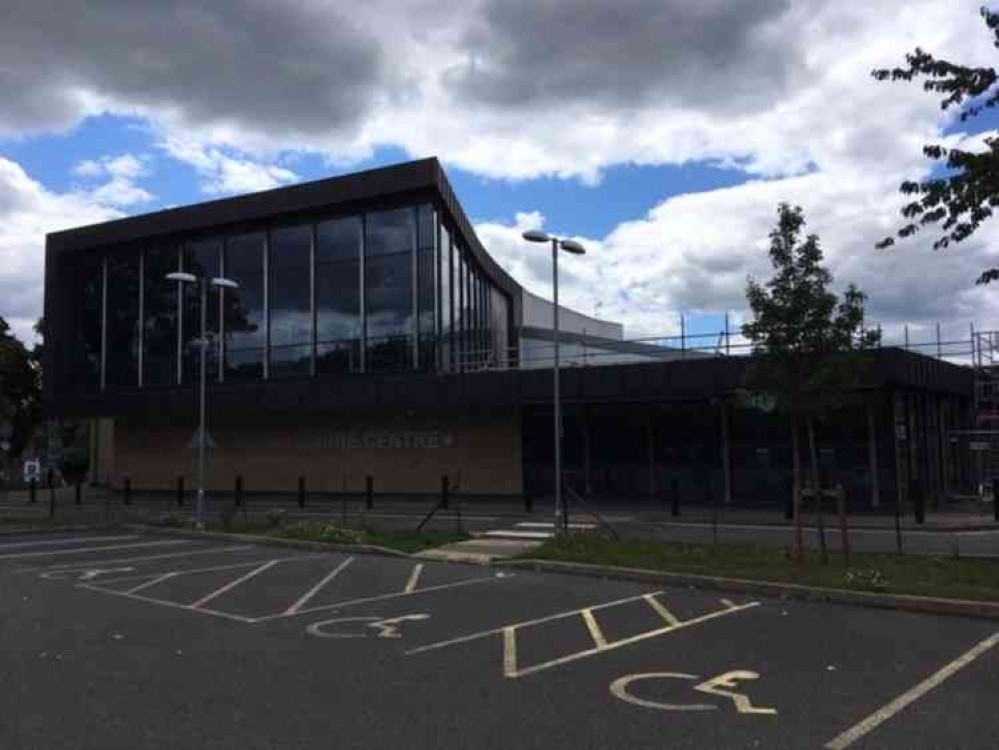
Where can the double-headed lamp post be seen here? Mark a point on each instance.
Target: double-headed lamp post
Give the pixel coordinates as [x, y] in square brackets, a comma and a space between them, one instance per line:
[203, 283]
[570, 246]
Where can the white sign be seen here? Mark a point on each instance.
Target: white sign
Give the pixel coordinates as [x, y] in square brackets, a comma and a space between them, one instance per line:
[385, 440]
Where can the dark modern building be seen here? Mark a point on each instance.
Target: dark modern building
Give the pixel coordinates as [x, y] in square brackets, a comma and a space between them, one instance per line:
[373, 334]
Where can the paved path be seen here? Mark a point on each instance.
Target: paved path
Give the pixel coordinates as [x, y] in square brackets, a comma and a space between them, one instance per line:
[130, 641]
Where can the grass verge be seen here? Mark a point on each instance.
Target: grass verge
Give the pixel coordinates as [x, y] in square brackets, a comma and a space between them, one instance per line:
[938, 576]
[321, 531]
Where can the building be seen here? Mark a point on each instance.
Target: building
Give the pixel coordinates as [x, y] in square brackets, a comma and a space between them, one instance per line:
[373, 335]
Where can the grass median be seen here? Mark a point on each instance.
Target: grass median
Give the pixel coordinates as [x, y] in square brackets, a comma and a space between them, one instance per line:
[946, 577]
[331, 533]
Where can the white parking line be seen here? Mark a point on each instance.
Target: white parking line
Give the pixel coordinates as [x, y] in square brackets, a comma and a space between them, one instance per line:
[172, 605]
[413, 578]
[70, 540]
[22, 555]
[882, 715]
[233, 584]
[294, 608]
[100, 563]
[384, 597]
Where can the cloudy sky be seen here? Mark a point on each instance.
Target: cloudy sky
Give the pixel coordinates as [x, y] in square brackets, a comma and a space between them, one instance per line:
[661, 133]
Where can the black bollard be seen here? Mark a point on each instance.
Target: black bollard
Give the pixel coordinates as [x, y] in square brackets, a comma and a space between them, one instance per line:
[675, 490]
[77, 494]
[128, 491]
[444, 492]
[239, 490]
[369, 491]
[32, 491]
[918, 501]
[301, 492]
[528, 502]
[180, 491]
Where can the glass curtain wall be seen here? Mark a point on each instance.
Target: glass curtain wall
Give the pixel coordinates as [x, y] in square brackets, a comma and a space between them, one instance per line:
[290, 292]
[339, 330]
[161, 301]
[122, 358]
[202, 259]
[446, 297]
[388, 289]
[244, 325]
[426, 287]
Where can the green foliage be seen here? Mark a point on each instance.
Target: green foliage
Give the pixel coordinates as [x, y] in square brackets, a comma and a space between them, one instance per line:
[966, 197]
[276, 517]
[20, 388]
[807, 339]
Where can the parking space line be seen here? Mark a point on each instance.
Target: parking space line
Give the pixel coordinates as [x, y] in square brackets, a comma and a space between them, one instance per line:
[294, 608]
[147, 584]
[210, 569]
[233, 584]
[172, 605]
[70, 540]
[662, 611]
[99, 563]
[413, 578]
[595, 632]
[53, 553]
[627, 641]
[886, 712]
[526, 623]
[385, 597]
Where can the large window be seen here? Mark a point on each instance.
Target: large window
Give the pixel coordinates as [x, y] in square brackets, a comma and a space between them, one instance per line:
[122, 359]
[426, 287]
[161, 299]
[85, 327]
[338, 295]
[201, 259]
[244, 327]
[446, 312]
[290, 290]
[388, 289]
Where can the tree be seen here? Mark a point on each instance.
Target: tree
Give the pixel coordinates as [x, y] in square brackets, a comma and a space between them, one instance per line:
[969, 192]
[20, 389]
[805, 338]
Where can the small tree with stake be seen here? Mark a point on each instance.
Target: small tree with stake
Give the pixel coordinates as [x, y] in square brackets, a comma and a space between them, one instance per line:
[807, 341]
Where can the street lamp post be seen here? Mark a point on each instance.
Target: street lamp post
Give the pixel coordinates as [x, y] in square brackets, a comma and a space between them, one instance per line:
[203, 283]
[571, 246]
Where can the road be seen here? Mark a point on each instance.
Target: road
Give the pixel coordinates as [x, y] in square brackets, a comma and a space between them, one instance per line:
[125, 641]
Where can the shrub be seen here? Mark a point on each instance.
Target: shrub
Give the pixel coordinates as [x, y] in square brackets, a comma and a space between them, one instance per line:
[276, 517]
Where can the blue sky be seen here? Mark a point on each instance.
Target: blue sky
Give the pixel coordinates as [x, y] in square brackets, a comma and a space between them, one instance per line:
[665, 148]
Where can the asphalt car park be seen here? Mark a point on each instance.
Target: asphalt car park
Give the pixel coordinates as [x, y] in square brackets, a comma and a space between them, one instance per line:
[132, 641]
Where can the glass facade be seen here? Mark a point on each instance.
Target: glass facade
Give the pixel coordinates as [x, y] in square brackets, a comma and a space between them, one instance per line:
[290, 288]
[386, 291]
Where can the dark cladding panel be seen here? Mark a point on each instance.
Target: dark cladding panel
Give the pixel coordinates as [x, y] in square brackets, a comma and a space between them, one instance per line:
[245, 332]
[447, 296]
[388, 289]
[160, 298]
[290, 291]
[122, 360]
[338, 295]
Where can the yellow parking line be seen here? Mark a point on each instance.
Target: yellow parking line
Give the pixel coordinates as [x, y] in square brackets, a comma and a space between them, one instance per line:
[595, 632]
[661, 609]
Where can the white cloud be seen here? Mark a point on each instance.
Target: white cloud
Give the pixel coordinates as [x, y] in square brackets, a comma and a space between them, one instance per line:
[223, 173]
[121, 173]
[27, 212]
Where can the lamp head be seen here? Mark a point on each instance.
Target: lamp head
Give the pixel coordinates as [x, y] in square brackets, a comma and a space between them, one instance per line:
[188, 278]
[536, 235]
[224, 283]
[571, 246]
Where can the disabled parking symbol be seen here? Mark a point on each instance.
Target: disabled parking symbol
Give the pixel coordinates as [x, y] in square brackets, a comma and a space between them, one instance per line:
[384, 627]
[720, 686]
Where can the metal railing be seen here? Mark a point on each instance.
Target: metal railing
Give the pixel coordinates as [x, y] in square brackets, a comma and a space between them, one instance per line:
[973, 349]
